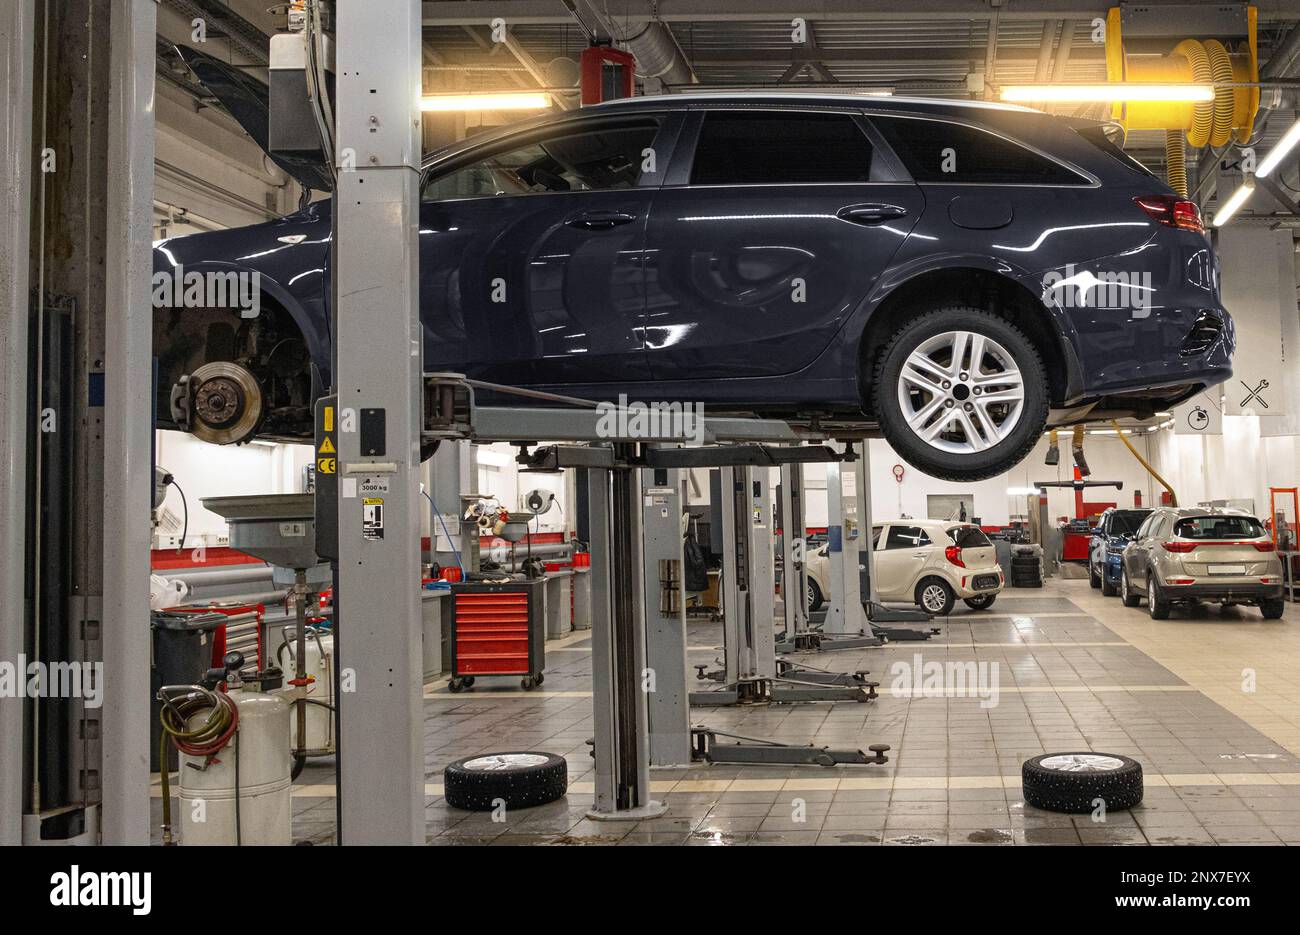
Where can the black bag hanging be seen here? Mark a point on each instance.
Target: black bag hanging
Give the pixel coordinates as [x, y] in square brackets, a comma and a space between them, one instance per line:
[697, 573]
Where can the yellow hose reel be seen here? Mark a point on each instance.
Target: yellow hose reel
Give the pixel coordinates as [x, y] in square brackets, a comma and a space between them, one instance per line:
[1230, 66]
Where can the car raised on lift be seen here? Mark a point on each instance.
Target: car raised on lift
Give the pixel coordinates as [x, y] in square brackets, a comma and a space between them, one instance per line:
[956, 276]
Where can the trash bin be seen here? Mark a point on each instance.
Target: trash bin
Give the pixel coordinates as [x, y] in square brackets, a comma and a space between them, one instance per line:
[181, 654]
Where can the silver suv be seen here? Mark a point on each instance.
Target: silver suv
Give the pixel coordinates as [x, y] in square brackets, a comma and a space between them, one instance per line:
[1185, 556]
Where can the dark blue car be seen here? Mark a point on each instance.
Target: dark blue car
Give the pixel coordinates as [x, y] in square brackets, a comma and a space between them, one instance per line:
[955, 275]
[1115, 529]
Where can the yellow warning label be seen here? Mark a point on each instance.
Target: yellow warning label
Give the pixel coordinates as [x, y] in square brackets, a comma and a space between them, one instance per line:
[326, 447]
[327, 465]
[329, 418]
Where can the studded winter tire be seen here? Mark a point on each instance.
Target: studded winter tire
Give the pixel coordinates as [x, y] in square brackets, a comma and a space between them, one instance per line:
[1075, 782]
[514, 780]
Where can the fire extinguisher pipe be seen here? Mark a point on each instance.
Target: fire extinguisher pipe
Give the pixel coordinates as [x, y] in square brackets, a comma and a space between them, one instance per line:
[1173, 497]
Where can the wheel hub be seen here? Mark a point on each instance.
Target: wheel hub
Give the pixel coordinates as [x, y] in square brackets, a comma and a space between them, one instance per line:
[961, 392]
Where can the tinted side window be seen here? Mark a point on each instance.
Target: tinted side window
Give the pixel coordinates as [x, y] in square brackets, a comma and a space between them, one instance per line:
[940, 151]
[751, 148]
[593, 160]
[906, 537]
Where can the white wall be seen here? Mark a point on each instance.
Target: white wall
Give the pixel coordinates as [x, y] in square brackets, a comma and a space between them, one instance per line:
[205, 470]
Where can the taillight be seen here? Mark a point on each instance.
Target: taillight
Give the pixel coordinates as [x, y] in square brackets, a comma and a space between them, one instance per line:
[953, 554]
[1180, 547]
[1172, 211]
[1264, 546]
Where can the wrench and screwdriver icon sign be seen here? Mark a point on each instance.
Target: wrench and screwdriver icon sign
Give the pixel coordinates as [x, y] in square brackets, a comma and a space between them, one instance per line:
[1255, 393]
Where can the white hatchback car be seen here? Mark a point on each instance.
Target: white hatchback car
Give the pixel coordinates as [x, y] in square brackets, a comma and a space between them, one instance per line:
[927, 562]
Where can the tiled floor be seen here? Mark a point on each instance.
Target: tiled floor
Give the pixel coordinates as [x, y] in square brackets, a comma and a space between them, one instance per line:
[1208, 702]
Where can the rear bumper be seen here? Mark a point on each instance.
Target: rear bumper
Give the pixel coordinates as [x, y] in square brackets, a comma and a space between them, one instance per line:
[1240, 591]
[990, 581]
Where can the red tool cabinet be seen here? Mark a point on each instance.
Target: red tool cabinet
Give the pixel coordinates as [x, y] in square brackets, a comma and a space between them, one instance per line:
[497, 629]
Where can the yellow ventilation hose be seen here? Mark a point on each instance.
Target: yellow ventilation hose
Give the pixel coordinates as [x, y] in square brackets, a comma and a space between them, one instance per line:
[1176, 161]
[1173, 497]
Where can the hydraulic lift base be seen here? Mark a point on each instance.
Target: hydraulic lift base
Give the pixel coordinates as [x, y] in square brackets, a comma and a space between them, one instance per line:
[705, 746]
[652, 809]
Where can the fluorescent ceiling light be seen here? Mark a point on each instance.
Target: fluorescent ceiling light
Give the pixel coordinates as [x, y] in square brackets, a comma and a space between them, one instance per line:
[460, 102]
[1283, 146]
[1023, 491]
[1234, 202]
[1117, 91]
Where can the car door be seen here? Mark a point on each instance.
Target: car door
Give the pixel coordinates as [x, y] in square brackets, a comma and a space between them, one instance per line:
[766, 238]
[1136, 555]
[900, 562]
[530, 255]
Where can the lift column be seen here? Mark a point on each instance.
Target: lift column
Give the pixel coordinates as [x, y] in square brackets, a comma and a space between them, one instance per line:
[749, 603]
[794, 572]
[665, 615]
[844, 616]
[381, 742]
[618, 648]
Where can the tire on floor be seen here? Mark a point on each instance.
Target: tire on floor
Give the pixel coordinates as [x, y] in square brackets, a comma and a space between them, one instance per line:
[513, 780]
[1073, 782]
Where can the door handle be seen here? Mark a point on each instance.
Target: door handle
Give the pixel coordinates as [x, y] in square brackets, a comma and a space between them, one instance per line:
[870, 213]
[600, 220]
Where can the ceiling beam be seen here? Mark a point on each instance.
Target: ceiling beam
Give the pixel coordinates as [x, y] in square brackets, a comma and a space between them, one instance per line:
[554, 12]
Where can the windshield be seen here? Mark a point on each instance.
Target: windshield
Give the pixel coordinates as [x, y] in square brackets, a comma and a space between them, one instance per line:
[1126, 522]
[1218, 527]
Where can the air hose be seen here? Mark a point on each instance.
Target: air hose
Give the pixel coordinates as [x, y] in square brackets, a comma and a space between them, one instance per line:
[206, 739]
[1176, 161]
[1173, 497]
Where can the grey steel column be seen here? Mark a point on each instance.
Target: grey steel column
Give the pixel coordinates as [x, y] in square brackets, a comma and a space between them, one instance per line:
[376, 257]
[866, 557]
[618, 649]
[128, 474]
[17, 41]
[844, 611]
[794, 571]
[747, 572]
[665, 615]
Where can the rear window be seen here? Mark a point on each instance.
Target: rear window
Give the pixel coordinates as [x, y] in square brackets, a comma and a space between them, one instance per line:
[942, 151]
[756, 148]
[968, 537]
[1098, 138]
[1218, 527]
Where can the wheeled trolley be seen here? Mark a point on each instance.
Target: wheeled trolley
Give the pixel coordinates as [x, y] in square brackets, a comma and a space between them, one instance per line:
[497, 629]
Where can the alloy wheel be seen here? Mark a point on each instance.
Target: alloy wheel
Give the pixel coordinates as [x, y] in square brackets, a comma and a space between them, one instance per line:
[961, 392]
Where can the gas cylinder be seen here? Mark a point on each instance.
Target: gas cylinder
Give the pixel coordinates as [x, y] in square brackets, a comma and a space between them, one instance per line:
[248, 780]
[320, 666]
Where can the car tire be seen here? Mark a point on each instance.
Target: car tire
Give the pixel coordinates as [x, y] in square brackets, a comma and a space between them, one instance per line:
[1157, 605]
[516, 780]
[959, 459]
[981, 601]
[1272, 608]
[1073, 782]
[1108, 589]
[935, 596]
[1126, 593]
[1094, 579]
[815, 596]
